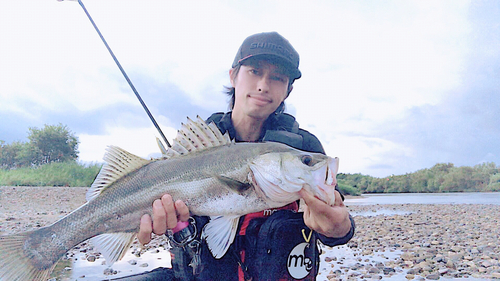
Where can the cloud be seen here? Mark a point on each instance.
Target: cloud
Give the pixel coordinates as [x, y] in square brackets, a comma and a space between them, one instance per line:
[464, 127]
[388, 86]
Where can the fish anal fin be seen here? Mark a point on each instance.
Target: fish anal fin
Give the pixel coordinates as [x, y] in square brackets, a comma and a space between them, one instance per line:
[219, 233]
[234, 185]
[113, 246]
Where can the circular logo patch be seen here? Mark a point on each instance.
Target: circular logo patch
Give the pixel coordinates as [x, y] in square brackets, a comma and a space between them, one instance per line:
[298, 264]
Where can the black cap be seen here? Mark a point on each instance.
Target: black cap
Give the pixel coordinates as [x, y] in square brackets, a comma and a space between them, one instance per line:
[272, 45]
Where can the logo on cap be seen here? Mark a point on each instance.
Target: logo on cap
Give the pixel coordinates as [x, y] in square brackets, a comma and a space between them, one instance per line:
[273, 47]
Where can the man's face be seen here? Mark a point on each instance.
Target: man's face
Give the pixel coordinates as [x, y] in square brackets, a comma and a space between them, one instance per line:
[260, 87]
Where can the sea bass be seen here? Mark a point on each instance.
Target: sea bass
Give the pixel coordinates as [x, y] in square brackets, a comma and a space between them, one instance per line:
[213, 175]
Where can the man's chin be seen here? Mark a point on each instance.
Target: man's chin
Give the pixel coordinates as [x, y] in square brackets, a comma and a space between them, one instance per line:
[259, 115]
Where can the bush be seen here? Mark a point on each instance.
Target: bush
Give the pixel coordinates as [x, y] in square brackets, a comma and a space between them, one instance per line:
[69, 173]
[347, 189]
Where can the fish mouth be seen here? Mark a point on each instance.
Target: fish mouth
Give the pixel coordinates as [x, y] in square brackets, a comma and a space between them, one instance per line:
[327, 188]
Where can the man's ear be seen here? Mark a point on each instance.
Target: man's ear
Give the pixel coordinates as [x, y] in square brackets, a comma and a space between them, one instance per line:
[289, 91]
[231, 77]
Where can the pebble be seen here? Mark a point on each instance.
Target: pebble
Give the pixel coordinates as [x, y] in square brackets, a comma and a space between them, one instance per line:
[410, 276]
[109, 271]
[433, 276]
[443, 271]
[455, 241]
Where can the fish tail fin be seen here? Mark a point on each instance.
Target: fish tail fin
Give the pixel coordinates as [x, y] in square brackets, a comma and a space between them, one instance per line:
[15, 264]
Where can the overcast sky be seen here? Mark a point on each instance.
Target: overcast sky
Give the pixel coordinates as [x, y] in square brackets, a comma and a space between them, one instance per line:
[389, 87]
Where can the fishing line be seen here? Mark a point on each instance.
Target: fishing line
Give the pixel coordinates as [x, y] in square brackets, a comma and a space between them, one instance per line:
[123, 72]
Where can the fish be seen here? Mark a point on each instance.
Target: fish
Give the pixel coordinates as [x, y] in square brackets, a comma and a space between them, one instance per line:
[212, 174]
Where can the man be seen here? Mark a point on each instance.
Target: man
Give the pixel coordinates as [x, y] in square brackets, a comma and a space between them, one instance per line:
[261, 76]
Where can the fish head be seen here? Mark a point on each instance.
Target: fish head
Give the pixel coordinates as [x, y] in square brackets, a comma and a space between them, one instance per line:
[281, 175]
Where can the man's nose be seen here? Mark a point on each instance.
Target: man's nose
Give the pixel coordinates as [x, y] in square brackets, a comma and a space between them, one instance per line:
[263, 85]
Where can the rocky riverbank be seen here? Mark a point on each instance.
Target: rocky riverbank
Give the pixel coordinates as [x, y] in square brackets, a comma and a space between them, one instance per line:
[395, 242]
[420, 241]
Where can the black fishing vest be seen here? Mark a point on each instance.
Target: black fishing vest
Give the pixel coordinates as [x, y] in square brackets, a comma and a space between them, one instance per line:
[281, 128]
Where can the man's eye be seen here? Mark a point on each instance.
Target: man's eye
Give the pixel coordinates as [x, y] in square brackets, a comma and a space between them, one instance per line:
[280, 79]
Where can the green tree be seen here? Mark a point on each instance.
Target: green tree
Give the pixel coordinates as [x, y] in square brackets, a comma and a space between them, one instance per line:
[443, 167]
[53, 143]
[483, 173]
[14, 155]
[494, 184]
[8, 155]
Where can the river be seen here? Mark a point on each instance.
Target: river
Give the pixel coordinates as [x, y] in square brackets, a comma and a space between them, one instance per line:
[426, 198]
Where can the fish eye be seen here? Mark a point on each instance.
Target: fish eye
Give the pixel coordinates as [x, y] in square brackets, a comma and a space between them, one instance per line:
[306, 159]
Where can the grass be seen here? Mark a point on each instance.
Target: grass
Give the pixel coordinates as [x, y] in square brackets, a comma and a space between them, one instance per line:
[54, 174]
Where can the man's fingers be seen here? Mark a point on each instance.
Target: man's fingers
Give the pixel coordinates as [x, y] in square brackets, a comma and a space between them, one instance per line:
[165, 216]
[182, 210]
[312, 201]
[306, 195]
[171, 214]
[159, 218]
[166, 213]
[317, 203]
[146, 228]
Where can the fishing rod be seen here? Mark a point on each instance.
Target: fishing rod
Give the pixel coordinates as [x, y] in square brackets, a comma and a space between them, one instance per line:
[123, 71]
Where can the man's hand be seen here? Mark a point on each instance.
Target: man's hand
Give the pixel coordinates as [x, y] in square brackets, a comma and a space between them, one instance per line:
[166, 214]
[331, 221]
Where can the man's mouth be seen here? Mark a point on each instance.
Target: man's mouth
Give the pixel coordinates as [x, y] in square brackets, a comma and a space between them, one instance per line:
[260, 100]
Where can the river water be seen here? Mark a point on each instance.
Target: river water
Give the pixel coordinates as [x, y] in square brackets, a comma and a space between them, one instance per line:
[426, 198]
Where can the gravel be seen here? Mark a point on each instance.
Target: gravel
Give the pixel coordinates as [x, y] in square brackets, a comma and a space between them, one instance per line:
[428, 241]
[398, 242]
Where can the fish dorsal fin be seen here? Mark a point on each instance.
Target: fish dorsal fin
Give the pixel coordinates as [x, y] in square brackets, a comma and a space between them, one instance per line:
[163, 150]
[118, 163]
[195, 136]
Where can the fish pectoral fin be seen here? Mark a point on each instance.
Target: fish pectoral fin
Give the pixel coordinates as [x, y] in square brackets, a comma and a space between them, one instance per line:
[113, 246]
[219, 233]
[234, 185]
